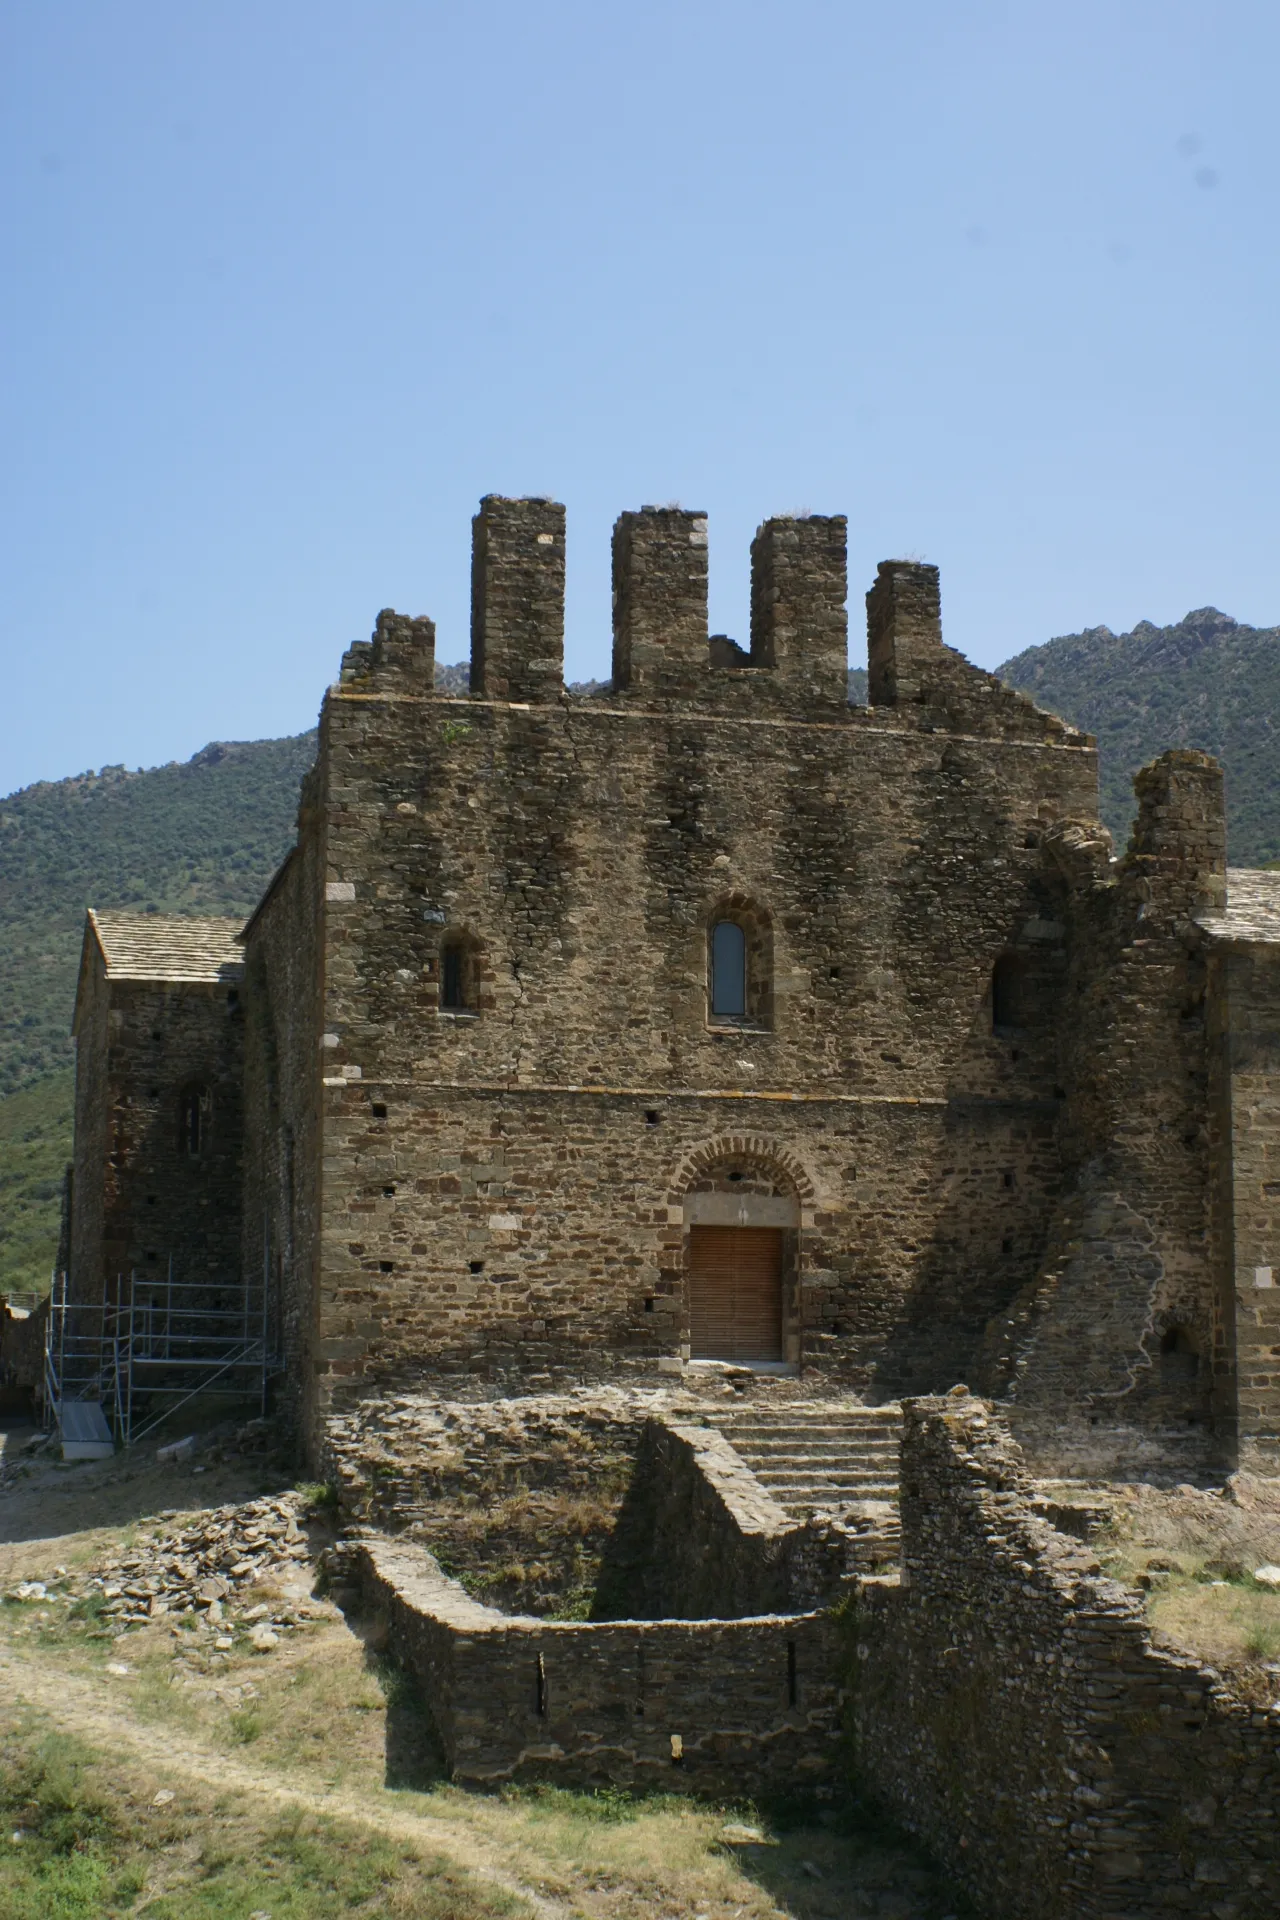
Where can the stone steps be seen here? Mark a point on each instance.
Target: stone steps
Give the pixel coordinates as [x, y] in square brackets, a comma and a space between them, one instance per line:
[820, 1456]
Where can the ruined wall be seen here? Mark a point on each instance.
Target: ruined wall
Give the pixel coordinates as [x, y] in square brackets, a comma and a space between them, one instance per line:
[716, 1707]
[142, 1200]
[697, 1537]
[1007, 1704]
[516, 1497]
[1130, 1265]
[502, 1178]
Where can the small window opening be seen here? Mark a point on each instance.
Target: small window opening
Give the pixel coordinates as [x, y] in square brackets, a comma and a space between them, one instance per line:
[735, 1175]
[1179, 1358]
[378, 1111]
[677, 1750]
[194, 1129]
[388, 1193]
[386, 1266]
[728, 971]
[458, 973]
[451, 979]
[1008, 994]
[1008, 1177]
[648, 1303]
[540, 1687]
[652, 1118]
[477, 1266]
[793, 1690]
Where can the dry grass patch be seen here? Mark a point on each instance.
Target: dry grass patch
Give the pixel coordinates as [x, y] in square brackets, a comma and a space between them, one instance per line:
[1194, 1554]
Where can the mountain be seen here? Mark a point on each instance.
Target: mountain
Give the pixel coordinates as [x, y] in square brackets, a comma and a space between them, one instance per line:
[1206, 682]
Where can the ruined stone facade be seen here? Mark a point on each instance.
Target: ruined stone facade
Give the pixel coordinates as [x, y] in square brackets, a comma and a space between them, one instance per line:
[710, 1017]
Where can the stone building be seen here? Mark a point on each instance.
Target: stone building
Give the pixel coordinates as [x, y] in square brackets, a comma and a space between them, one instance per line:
[158, 1119]
[709, 1018]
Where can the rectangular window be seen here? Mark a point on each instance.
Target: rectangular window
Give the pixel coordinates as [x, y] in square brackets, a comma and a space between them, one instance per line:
[451, 978]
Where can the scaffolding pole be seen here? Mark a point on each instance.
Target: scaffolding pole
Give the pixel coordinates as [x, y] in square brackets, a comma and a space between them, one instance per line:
[158, 1346]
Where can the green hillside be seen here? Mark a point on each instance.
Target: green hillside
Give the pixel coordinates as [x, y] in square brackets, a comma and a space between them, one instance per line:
[35, 1143]
[1207, 682]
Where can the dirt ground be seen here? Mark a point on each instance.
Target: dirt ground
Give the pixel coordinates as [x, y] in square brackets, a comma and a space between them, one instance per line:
[193, 1755]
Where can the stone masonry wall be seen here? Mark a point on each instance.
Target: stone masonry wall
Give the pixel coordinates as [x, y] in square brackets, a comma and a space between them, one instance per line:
[718, 1707]
[499, 1183]
[516, 1497]
[1007, 1704]
[1131, 1262]
[92, 1109]
[284, 1066]
[697, 1537]
[141, 1200]
[1245, 999]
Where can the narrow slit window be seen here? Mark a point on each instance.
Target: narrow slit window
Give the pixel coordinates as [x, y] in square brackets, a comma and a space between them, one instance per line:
[728, 971]
[193, 1124]
[453, 981]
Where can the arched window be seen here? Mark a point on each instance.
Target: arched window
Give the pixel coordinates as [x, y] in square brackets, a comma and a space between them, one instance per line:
[459, 975]
[193, 1121]
[728, 971]
[1008, 994]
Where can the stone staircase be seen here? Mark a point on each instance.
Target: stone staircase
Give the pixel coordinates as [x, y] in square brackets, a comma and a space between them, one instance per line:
[828, 1456]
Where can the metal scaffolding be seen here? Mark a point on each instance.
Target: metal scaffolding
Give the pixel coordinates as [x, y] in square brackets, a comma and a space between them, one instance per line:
[156, 1346]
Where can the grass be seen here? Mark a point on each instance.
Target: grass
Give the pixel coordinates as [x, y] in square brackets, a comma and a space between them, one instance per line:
[325, 1712]
[81, 1839]
[1194, 1554]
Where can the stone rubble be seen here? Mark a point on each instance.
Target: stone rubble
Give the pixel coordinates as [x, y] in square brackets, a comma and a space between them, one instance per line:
[206, 1564]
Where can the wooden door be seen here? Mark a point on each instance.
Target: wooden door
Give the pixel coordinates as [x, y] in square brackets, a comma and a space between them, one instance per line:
[735, 1293]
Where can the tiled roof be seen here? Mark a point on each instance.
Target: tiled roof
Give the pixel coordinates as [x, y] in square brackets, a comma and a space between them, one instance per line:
[149, 946]
[1252, 914]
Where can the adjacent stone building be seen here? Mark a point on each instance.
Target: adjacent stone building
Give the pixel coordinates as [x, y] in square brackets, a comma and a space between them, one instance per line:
[710, 1018]
[159, 1128]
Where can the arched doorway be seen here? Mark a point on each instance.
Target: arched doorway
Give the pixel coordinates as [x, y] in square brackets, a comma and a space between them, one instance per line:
[741, 1200]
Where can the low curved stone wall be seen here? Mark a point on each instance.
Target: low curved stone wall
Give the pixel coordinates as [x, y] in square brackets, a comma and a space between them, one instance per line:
[724, 1707]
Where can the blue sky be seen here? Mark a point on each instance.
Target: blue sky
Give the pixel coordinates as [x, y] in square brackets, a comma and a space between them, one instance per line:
[287, 287]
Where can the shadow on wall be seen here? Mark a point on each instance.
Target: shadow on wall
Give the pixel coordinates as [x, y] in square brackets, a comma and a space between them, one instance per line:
[988, 1238]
